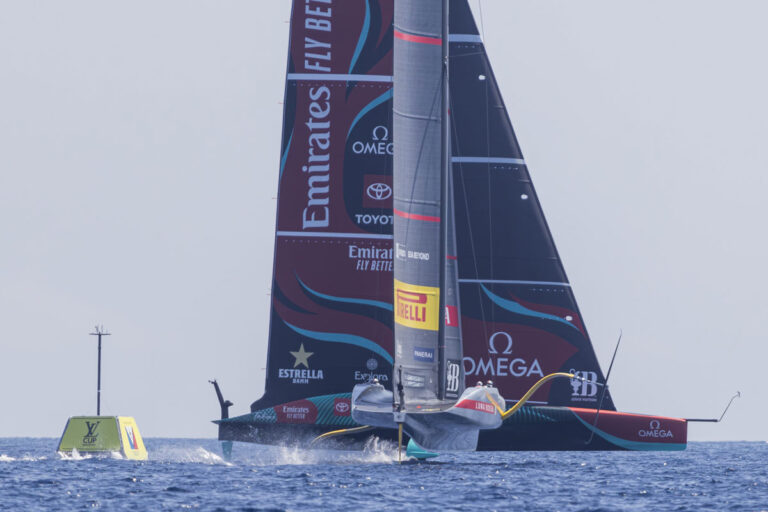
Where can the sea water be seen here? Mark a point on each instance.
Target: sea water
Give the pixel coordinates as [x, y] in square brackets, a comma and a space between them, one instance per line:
[184, 474]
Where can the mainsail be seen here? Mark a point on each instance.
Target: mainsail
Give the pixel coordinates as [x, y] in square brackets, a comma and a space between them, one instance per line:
[331, 319]
[333, 313]
[331, 324]
[520, 320]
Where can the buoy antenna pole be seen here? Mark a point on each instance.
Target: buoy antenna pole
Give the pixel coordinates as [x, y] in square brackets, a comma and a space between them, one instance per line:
[99, 331]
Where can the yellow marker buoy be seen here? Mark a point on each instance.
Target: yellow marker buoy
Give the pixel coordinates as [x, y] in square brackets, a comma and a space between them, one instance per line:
[103, 434]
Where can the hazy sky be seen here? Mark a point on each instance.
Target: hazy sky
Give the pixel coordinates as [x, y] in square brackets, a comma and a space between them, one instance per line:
[139, 149]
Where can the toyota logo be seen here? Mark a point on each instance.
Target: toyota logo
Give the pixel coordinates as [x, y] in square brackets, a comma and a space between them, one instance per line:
[342, 407]
[379, 191]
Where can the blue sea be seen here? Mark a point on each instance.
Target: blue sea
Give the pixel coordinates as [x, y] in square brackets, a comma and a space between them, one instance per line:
[185, 474]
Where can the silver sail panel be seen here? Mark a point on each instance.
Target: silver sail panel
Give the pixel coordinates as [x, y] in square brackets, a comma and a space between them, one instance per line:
[419, 182]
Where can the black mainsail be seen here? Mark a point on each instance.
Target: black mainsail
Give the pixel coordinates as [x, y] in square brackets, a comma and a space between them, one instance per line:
[518, 307]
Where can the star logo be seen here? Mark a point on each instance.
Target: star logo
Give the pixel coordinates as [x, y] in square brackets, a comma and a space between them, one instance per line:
[302, 357]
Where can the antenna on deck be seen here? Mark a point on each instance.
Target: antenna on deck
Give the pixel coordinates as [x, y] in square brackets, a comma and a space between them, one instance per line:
[717, 420]
[99, 331]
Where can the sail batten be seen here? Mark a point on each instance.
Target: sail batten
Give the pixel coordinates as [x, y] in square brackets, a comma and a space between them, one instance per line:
[487, 160]
[515, 281]
[465, 38]
[328, 234]
[337, 77]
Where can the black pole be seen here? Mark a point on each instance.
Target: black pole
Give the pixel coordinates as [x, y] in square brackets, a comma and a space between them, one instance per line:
[225, 404]
[98, 383]
[99, 332]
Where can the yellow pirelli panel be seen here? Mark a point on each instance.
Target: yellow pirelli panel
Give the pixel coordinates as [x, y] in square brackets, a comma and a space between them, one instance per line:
[417, 306]
[133, 444]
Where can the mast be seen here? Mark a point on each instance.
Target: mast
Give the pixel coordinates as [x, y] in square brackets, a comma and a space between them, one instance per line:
[445, 165]
[427, 337]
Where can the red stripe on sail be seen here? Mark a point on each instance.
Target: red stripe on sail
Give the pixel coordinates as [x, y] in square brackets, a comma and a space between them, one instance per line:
[453, 258]
[414, 216]
[418, 39]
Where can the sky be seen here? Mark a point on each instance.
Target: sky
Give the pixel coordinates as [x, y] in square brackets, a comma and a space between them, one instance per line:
[139, 153]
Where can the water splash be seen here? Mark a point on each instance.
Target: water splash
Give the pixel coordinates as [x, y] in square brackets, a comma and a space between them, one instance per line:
[375, 451]
[25, 458]
[76, 455]
[189, 473]
[73, 455]
[193, 455]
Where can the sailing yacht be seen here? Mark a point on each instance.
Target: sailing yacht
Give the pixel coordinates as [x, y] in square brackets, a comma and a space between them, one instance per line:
[412, 256]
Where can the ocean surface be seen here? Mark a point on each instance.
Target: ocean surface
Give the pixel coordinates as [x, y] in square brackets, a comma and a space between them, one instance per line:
[185, 474]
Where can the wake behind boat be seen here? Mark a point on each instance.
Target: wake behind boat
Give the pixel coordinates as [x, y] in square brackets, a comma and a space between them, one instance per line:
[469, 282]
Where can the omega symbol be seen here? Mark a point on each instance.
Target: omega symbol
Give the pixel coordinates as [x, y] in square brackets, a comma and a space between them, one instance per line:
[380, 133]
[492, 343]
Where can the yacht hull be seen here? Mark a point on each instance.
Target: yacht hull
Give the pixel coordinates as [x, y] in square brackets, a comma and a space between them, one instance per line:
[539, 428]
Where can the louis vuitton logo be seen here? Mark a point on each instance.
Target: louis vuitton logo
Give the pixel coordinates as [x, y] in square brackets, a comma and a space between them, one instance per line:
[90, 437]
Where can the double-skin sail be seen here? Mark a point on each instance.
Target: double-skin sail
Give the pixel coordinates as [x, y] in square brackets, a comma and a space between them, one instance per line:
[332, 320]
